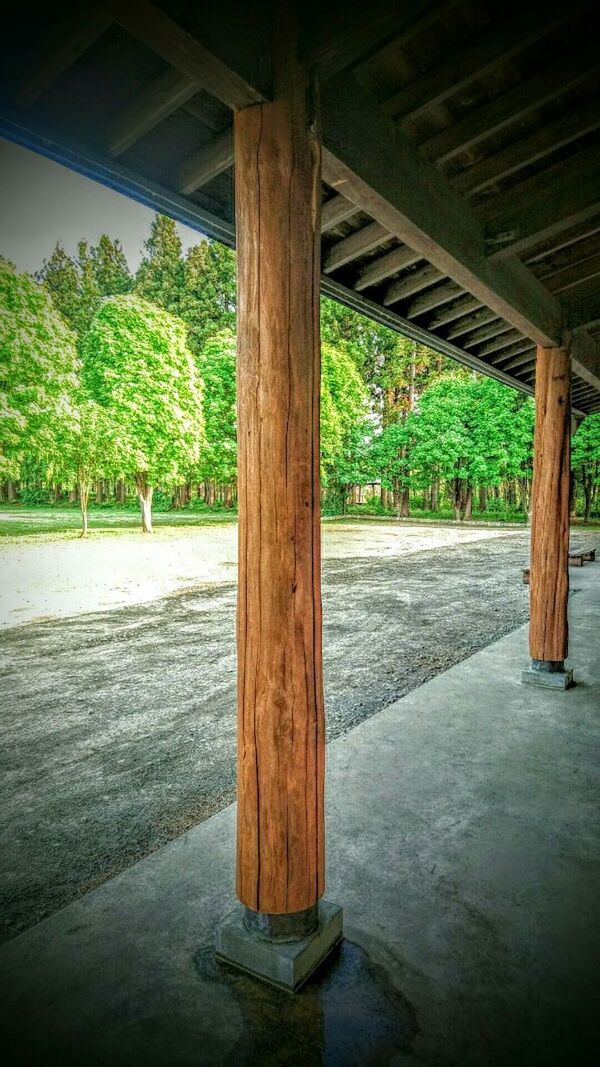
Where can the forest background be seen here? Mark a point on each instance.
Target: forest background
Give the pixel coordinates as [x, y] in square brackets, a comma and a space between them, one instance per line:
[116, 386]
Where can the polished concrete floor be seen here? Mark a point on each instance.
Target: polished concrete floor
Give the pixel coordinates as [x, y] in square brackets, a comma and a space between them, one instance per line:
[463, 846]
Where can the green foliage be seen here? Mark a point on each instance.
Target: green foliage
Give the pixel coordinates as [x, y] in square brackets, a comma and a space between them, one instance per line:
[38, 373]
[216, 365]
[111, 269]
[138, 367]
[343, 420]
[464, 433]
[209, 295]
[585, 459]
[160, 277]
[78, 285]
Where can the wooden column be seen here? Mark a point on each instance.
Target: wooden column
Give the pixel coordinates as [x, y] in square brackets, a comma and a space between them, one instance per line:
[280, 840]
[549, 582]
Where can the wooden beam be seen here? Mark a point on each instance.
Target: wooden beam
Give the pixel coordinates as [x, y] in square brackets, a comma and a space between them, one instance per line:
[354, 36]
[586, 358]
[208, 111]
[158, 100]
[577, 253]
[508, 108]
[485, 334]
[582, 304]
[563, 241]
[410, 284]
[336, 210]
[381, 268]
[541, 142]
[68, 37]
[543, 205]
[281, 728]
[383, 174]
[506, 39]
[504, 342]
[521, 356]
[549, 567]
[442, 294]
[204, 164]
[472, 323]
[162, 35]
[427, 14]
[457, 311]
[575, 275]
[355, 245]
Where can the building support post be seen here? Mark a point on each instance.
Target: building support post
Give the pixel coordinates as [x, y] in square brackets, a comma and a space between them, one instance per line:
[549, 569]
[284, 929]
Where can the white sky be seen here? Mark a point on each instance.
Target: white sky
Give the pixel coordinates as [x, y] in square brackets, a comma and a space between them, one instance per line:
[42, 202]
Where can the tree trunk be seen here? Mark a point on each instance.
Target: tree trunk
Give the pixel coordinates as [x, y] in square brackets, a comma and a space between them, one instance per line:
[468, 506]
[483, 498]
[434, 495]
[144, 492]
[121, 492]
[404, 504]
[99, 491]
[84, 495]
[281, 747]
[10, 490]
[549, 571]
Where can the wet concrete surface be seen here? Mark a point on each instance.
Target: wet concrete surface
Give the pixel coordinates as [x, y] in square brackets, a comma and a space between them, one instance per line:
[118, 728]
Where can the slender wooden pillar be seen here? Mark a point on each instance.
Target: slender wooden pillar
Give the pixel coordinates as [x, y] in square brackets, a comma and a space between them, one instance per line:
[549, 581]
[280, 839]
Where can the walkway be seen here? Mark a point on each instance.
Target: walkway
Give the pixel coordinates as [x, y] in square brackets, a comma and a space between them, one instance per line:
[463, 845]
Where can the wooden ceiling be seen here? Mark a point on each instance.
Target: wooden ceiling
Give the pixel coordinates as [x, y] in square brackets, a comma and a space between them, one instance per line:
[461, 150]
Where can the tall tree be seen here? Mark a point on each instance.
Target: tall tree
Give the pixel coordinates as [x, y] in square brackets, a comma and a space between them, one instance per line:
[39, 372]
[585, 460]
[217, 369]
[60, 275]
[344, 413]
[160, 276]
[138, 367]
[209, 297]
[111, 269]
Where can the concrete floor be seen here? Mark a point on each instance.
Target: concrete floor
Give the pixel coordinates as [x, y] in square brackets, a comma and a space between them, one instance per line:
[463, 846]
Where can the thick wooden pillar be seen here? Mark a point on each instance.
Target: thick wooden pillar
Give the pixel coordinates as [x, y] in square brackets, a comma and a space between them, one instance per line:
[549, 582]
[280, 840]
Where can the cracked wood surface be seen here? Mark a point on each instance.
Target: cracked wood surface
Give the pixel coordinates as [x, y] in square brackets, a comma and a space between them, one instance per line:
[280, 865]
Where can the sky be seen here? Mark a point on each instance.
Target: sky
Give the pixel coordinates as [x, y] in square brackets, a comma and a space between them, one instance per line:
[42, 202]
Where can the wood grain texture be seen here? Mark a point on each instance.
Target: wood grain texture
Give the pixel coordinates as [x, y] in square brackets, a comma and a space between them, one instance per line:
[549, 583]
[281, 740]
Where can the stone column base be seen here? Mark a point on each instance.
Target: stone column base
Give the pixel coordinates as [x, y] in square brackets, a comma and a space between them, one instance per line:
[547, 674]
[286, 964]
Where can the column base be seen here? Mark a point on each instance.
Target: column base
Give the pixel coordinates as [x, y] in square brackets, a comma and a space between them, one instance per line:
[286, 964]
[548, 674]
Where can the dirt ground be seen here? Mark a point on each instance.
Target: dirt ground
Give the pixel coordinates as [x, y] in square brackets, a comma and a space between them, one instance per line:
[118, 726]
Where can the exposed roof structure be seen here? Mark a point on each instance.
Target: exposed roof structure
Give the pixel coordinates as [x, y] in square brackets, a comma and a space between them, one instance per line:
[461, 151]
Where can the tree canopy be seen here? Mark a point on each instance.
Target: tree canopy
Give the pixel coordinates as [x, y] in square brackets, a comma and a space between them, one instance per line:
[138, 367]
[39, 372]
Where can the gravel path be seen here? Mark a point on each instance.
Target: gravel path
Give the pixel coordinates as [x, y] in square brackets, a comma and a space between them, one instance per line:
[118, 727]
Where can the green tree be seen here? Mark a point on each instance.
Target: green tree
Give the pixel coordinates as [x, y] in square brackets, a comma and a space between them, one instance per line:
[138, 367]
[462, 434]
[160, 276]
[209, 297]
[111, 269]
[89, 449]
[39, 372]
[216, 365]
[60, 276]
[344, 427]
[585, 460]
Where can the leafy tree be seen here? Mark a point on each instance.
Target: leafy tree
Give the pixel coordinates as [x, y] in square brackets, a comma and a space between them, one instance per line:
[343, 422]
[585, 459]
[89, 449]
[463, 433]
[217, 369]
[160, 276]
[89, 290]
[38, 372]
[60, 276]
[138, 367]
[111, 269]
[209, 297]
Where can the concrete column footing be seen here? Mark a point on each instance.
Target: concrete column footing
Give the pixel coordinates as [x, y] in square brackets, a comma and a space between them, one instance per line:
[284, 964]
[547, 679]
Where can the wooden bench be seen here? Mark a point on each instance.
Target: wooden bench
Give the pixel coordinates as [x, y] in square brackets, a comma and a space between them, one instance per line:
[577, 557]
